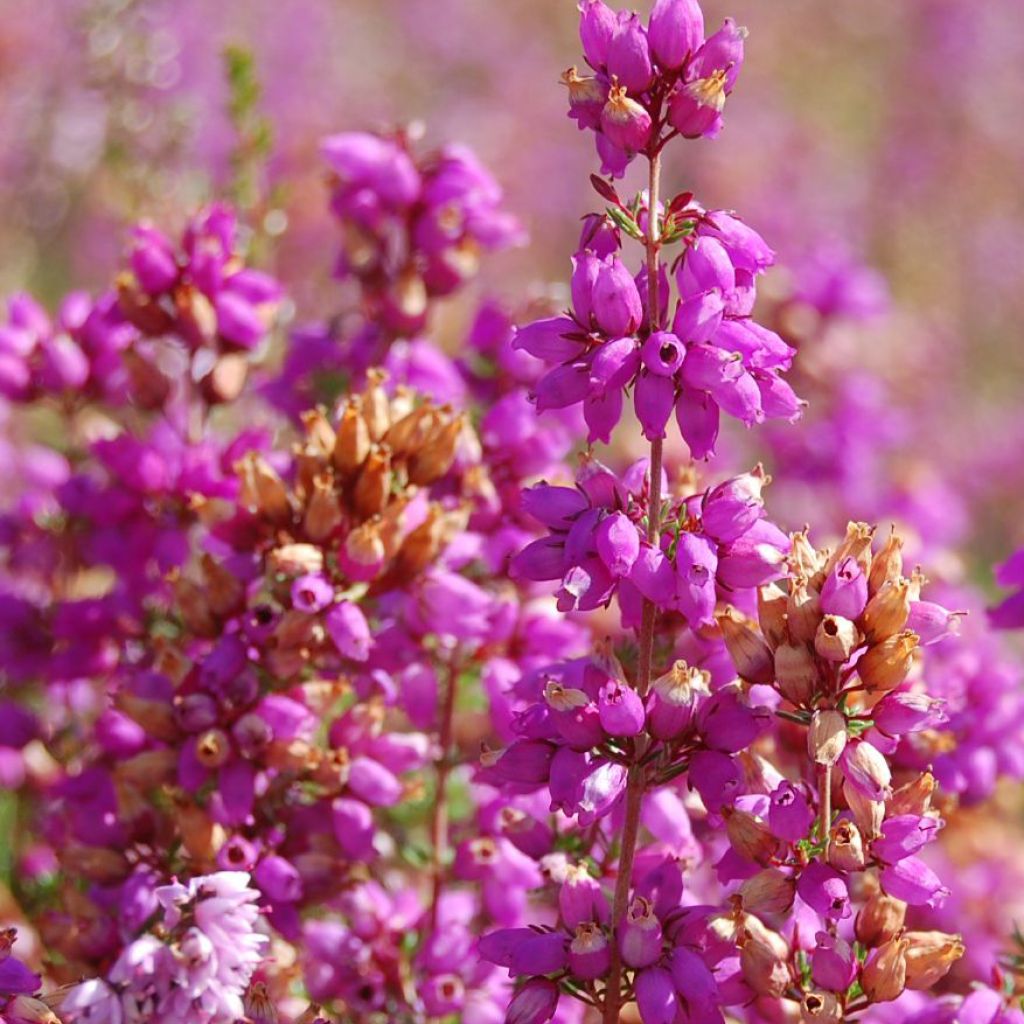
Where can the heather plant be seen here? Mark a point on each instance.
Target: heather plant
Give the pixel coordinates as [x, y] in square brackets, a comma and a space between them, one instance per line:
[344, 678]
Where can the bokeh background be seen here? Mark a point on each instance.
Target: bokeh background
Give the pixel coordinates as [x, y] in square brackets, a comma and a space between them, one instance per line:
[877, 145]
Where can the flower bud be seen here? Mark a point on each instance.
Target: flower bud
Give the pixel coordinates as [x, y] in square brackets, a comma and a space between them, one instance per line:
[263, 490]
[833, 964]
[675, 29]
[884, 976]
[884, 666]
[763, 960]
[534, 1003]
[846, 847]
[662, 353]
[749, 836]
[624, 122]
[836, 638]
[867, 813]
[930, 955]
[430, 462]
[549, 340]
[825, 890]
[932, 622]
[653, 400]
[656, 997]
[617, 306]
[771, 614]
[768, 892]
[887, 611]
[914, 882]
[673, 697]
[880, 920]
[803, 611]
[733, 507]
[587, 97]
[790, 816]
[697, 415]
[597, 27]
[914, 797]
[747, 648]
[581, 898]
[901, 711]
[804, 560]
[856, 545]
[826, 737]
[422, 545]
[695, 108]
[629, 56]
[363, 554]
[226, 379]
[618, 543]
[866, 768]
[640, 934]
[620, 709]
[845, 590]
[374, 404]
[797, 675]
[346, 625]
[590, 954]
[323, 512]
[352, 439]
[373, 486]
[295, 560]
[887, 564]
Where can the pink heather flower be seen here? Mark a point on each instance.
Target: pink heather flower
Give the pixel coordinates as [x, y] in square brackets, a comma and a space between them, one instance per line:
[346, 625]
[198, 971]
[833, 963]
[825, 890]
[845, 592]
[534, 1003]
[675, 30]
[640, 934]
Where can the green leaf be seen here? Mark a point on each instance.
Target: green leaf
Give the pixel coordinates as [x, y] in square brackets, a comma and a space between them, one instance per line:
[625, 222]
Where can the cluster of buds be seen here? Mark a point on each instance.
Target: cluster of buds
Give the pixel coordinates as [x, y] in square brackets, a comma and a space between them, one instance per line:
[713, 357]
[413, 225]
[200, 293]
[659, 942]
[651, 82]
[358, 508]
[213, 738]
[846, 627]
[711, 543]
[194, 965]
[838, 645]
[79, 353]
[581, 721]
